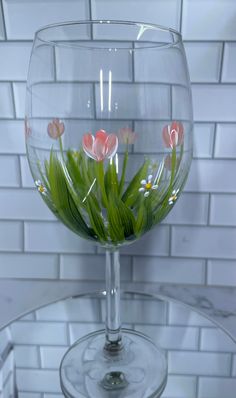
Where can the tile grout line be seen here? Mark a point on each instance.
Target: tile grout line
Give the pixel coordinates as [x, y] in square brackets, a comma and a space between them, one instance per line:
[209, 210]
[3, 19]
[213, 157]
[13, 102]
[20, 175]
[206, 273]
[222, 62]
[170, 240]
[181, 16]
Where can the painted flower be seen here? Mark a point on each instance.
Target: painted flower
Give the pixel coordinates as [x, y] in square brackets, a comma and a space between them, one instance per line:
[173, 134]
[41, 188]
[27, 127]
[173, 197]
[148, 186]
[102, 146]
[127, 135]
[56, 128]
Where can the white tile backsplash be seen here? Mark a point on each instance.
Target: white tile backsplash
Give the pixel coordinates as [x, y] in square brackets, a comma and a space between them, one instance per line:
[181, 315]
[180, 386]
[203, 242]
[168, 270]
[221, 272]
[153, 243]
[225, 146]
[14, 204]
[183, 210]
[26, 176]
[209, 20]
[216, 340]
[91, 267]
[84, 310]
[47, 333]
[210, 387]
[25, 17]
[172, 337]
[19, 90]
[228, 72]
[141, 311]
[199, 363]
[52, 356]
[14, 60]
[226, 217]
[6, 101]
[207, 175]
[38, 380]
[9, 171]
[78, 330]
[204, 59]
[11, 236]
[162, 12]
[2, 33]
[26, 265]
[13, 140]
[214, 103]
[200, 247]
[26, 356]
[203, 140]
[54, 238]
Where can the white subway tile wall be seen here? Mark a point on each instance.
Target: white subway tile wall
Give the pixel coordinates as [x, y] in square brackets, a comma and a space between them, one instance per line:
[209, 32]
[201, 357]
[195, 244]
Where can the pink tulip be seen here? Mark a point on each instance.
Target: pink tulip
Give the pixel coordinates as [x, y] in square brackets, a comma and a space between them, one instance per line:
[56, 128]
[173, 135]
[127, 136]
[102, 146]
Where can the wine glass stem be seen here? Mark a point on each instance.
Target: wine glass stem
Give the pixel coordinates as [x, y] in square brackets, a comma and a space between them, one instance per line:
[113, 323]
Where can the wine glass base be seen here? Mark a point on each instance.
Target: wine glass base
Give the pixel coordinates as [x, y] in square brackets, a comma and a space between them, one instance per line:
[137, 370]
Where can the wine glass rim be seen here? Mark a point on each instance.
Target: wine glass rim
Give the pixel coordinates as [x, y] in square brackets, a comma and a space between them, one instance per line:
[177, 37]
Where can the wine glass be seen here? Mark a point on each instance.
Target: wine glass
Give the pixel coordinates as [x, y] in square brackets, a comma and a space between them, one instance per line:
[109, 142]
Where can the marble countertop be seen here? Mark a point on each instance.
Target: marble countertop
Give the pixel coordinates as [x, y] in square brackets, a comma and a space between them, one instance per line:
[20, 297]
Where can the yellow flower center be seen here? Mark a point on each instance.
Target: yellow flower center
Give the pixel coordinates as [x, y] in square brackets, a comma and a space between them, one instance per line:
[148, 185]
[41, 188]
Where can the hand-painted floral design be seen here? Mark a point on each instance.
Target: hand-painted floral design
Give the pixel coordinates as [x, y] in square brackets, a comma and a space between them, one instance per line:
[173, 197]
[173, 135]
[27, 128]
[41, 188]
[127, 135]
[102, 146]
[148, 186]
[56, 128]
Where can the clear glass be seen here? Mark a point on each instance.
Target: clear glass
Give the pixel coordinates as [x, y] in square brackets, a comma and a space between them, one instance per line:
[109, 141]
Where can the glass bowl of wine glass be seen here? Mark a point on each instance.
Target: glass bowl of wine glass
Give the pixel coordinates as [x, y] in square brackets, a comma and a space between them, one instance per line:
[109, 142]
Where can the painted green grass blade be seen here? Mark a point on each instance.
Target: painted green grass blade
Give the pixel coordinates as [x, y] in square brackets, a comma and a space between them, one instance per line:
[132, 193]
[122, 179]
[74, 170]
[76, 184]
[126, 217]
[63, 201]
[96, 220]
[144, 220]
[99, 168]
[111, 179]
[115, 227]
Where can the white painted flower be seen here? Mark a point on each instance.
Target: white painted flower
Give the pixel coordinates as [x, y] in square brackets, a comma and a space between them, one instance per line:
[41, 188]
[148, 186]
[174, 196]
